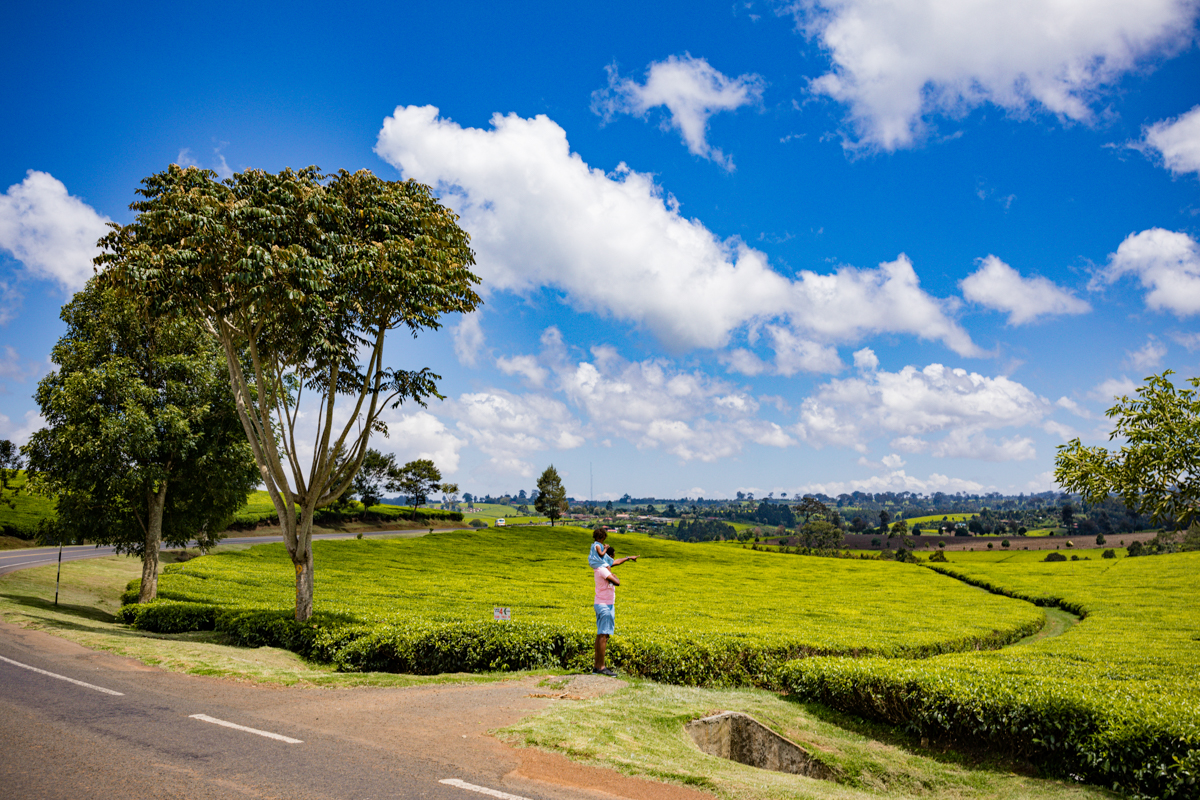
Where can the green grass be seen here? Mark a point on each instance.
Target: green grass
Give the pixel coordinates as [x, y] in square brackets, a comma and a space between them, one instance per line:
[676, 589]
[490, 512]
[640, 731]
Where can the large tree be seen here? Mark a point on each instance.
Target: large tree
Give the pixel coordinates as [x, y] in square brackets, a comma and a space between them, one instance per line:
[142, 442]
[299, 277]
[1157, 469]
[551, 495]
[373, 476]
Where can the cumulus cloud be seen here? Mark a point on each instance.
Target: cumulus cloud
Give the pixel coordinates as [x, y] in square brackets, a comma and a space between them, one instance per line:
[691, 90]
[1165, 262]
[898, 62]
[468, 340]
[654, 406]
[1177, 142]
[540, 216]
[19, 432]
[1147, 357]
[50, 232]
[1113, 389]
[794, 354]
[742, 361]
[525, 366]
[510, 428]
[421, 435]
[911, 404]
[998, 286]
[1190, 340]
[866, 359]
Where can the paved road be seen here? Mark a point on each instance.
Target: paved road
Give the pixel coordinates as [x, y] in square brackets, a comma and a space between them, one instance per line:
[78, 724]
[12, 560]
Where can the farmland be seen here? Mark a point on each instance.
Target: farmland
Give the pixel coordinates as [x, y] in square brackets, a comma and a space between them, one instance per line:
[1115, 699]
[731, 615]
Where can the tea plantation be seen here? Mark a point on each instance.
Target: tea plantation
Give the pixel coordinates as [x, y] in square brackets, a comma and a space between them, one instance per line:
[686, 614]
[1113, 701]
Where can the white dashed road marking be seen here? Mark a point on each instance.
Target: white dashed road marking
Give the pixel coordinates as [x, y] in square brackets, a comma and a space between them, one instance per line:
[60, 677]
[470, 787]
[235, 726]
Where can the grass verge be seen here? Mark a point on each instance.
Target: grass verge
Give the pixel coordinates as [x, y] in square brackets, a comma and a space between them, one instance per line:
[639, 731]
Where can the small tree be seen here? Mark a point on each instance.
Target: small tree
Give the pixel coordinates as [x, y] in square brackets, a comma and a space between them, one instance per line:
[551, 496]
[299, 277]
[416, 479]
[373, 476]
[11, 463]
[450, 490]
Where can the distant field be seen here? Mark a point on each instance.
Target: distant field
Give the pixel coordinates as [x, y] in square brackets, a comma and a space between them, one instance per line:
[490, 512]
[29, 510]
[940, 518]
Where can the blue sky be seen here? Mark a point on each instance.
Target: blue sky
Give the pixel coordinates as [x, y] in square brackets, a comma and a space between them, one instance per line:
[836, 245]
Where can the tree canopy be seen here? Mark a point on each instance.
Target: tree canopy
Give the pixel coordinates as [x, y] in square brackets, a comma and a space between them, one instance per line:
[418, 479]
[299, 277]
[1157, 469]
[551, 495]
[142, 443]
[11, 462]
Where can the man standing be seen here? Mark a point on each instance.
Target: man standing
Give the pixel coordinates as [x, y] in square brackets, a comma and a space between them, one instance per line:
[605, 603]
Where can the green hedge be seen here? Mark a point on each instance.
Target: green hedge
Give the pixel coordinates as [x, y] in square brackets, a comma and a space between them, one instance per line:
[249, 520]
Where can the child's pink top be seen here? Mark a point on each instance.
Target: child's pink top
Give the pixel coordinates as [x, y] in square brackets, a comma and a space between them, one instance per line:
[606, 593]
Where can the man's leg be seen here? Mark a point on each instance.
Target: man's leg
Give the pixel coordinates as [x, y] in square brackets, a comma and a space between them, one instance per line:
[601, 648]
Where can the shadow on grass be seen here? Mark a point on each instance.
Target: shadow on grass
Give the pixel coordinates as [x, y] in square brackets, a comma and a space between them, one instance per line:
[87, 612]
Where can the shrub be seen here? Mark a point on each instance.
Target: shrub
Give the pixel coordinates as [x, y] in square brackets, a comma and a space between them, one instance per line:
[168, 616]
[1100, 539]
[1054, 557]
[1135, 549]
[477, 523]
[1109, 554]
[938, 555]
[1004, 543]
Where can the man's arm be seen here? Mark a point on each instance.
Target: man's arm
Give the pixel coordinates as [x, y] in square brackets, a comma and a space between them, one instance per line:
[608, 576]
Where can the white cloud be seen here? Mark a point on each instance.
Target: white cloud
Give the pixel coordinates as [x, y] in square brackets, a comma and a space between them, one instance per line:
[744, 362]
[468, 340]
[52, 233]
[1191, 341]
[11, 367]
[898, 62]
[690, 89]
[511, 428]
[866, 359]
[1057, 429]
[525, 366]
[19, 432]
[1177, 141]
[997, 285]
[794, 354]
[912, 403]
[421, 435]
[1113, 388]
[687, 414]
[898, 481]
[1074, 408]
[1042, 482]
[893, 461]
[540, 216]
[1147, 357]
[965, 443]
[1165, 262]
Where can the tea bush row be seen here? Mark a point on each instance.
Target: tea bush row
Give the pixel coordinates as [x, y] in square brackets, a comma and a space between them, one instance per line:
[388, 598]
[1114, 701]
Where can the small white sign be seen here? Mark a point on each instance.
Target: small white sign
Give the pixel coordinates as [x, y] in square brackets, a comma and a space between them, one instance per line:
[501, 614]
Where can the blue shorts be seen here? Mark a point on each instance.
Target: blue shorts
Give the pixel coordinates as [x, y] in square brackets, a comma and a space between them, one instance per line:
[606, 620]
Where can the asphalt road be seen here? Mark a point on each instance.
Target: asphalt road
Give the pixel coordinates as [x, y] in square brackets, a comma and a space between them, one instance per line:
[80, 724]
[12, 560]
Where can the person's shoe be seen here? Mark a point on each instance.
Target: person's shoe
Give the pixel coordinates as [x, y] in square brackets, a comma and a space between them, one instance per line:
[606, 672]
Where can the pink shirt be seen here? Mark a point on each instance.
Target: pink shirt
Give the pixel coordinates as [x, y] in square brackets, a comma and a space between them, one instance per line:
[606, 593]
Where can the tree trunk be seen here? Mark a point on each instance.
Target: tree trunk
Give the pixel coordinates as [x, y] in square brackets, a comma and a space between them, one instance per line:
[302, 560]
[156, 502]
